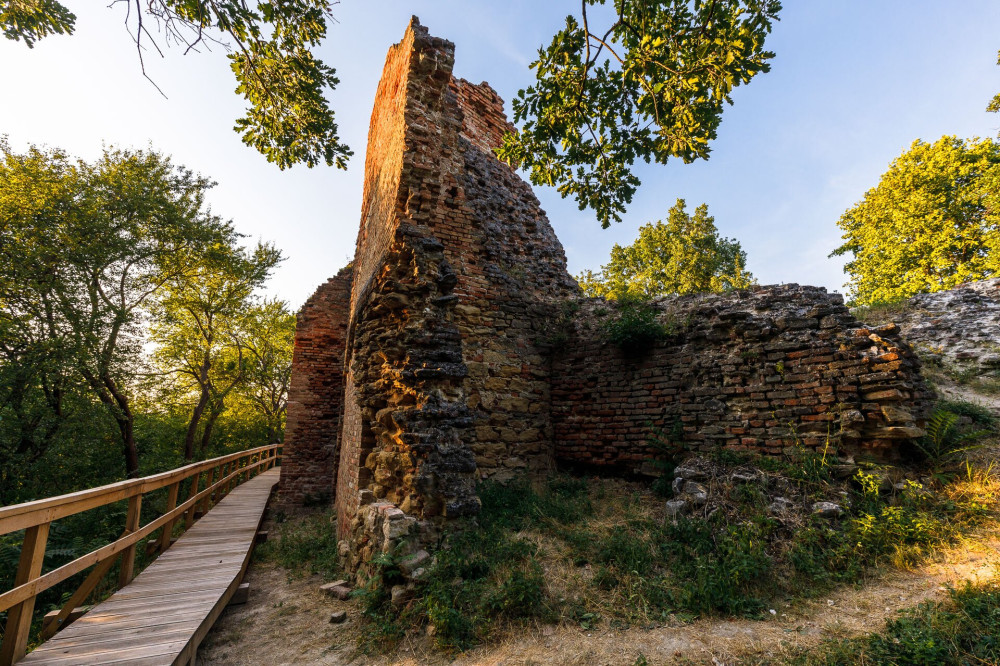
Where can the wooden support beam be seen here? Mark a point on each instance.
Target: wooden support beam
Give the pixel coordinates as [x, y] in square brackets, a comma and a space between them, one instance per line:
[168, 529]
[241, 595]
[128, 555]
[15, 637]
[62, 618]
[53, 623]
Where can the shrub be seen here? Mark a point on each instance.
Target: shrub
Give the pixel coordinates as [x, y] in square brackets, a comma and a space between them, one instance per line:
[635, 327]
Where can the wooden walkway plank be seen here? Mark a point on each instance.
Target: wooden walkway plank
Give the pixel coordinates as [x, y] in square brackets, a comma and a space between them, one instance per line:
[166, 611]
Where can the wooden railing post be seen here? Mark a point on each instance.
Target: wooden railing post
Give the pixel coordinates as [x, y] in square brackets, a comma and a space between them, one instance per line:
[128, 555]
[189, 515]
[206, 501]
[168, 529]
[15, 638]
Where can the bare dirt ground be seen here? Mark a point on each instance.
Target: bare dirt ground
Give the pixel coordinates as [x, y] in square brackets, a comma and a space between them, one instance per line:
[287, 622]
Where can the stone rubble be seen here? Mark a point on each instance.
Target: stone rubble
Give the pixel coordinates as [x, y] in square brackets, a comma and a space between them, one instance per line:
[959, 327]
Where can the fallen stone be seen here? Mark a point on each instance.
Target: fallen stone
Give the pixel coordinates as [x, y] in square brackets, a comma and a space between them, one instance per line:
[338, 589]
[676, 508]
[843, 471]
[678, 485]
[748, 476]
[338, 617]
[827, 509]
[691, 470]
[400, 594]
[411, 563]
[695, 492]
[781, 505]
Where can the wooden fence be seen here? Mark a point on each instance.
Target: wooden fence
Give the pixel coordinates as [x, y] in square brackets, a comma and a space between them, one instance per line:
[220, 476]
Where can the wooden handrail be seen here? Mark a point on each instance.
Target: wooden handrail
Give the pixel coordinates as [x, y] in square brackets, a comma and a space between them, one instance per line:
[36, 517]
[22, 516]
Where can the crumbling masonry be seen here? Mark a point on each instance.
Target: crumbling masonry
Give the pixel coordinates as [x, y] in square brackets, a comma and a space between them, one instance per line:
[457, 347]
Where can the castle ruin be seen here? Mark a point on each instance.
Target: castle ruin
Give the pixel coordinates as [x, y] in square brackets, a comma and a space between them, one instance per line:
[457, 347]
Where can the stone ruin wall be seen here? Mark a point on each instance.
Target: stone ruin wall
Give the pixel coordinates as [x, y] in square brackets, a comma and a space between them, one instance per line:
[959, 327]
[315, 396]
[446, 380]
[446, 328]
[762, 370]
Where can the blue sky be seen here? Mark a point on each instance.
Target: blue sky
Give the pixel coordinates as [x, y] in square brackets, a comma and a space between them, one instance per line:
[854, 83]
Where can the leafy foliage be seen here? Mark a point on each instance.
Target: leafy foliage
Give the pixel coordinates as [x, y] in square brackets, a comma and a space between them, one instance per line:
[30, 20]
[682, 256]
[635, 326]
[651, 86]
[944, 442]
[84, 246]
[930, 224]
[289, 120]
[202, 330]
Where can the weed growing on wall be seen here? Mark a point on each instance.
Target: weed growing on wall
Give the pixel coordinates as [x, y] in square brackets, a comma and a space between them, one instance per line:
[635, 327]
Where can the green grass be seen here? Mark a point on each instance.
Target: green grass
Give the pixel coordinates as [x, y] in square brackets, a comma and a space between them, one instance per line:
[600, 551]
[303, 546]
[963, 630]
[880, 313]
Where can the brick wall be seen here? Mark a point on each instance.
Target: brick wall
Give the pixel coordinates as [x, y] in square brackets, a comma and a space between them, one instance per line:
[755, 370]
[315, 396]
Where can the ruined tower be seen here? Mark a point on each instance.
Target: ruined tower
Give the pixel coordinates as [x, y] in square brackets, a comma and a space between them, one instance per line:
[447, 352]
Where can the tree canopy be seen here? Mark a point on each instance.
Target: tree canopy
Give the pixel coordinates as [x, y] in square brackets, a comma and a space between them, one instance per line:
[683, 255]
[84, 248]
[650, 86]
[201, 328]
[931, 223]
[288, 120]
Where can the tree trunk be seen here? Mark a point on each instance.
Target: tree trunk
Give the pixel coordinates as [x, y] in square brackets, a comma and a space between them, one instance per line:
[117, 404]
[199, 409]
[206, 434]
[192, 430]
[126, 424]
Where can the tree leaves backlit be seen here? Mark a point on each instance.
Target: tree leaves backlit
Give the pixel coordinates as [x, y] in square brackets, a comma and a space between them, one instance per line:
[651, 86]
[931, 223]
[288, 119]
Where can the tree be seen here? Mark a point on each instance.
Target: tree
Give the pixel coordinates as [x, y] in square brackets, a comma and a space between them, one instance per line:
[270, 336]
[932, 222]
[84, 247]
[651, 86]
[288, 120]
[684, 255]
[994, 105]
[201, 321]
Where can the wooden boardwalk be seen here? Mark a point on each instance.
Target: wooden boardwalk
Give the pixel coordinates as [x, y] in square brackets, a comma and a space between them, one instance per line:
[164, 613]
